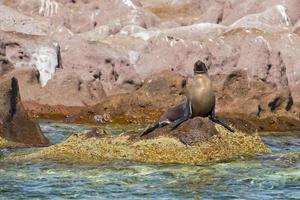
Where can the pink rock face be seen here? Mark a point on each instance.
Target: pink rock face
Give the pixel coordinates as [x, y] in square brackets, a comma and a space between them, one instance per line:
[296, 28]
[11, 20]
[234, 10]
[104, 48]
[274, 19]
[82, 16]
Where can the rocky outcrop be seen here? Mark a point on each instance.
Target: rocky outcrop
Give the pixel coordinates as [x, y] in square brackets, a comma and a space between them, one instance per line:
[98, 49]
[38, 61]
[215, 11]
[15, 125]
[266, 109]
[161, 147]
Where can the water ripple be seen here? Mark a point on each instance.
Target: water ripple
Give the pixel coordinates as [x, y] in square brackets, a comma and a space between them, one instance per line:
[273, 176]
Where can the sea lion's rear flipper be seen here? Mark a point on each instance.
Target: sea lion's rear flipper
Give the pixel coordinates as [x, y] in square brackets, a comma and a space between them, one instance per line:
[218, 121]
[186, 115]
[214, 118]
[153, 127]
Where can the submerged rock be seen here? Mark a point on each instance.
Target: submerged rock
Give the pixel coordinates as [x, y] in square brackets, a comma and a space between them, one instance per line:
[15, 124]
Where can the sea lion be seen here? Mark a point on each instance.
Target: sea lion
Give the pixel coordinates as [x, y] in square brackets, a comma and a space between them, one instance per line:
[200, 101]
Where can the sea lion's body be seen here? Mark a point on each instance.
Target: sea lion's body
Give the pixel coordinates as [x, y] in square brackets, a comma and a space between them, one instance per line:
[200, 101]
[201, 96]
[174, 113]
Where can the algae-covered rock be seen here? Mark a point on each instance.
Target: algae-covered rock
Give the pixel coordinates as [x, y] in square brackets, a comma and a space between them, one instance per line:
[9, 144]
[163, 149]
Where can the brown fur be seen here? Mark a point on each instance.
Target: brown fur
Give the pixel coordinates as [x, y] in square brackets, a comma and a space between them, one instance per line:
[201, 95]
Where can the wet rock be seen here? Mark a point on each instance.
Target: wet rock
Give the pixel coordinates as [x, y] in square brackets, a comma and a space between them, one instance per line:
[15, 125]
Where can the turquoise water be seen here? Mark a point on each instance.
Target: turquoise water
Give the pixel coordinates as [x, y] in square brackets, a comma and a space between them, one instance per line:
[274, 176]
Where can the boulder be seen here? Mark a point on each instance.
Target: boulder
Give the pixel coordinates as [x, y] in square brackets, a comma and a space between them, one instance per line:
[15, 124]
[194, 131]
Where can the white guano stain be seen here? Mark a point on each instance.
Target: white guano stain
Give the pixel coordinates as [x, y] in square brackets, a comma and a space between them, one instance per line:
[145, 35]
[129, 4]
[282, 10]
[48, 8]
[133, 57]
[45, 60]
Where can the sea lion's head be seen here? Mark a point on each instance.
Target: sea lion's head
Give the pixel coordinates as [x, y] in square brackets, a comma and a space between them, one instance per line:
[200, 67]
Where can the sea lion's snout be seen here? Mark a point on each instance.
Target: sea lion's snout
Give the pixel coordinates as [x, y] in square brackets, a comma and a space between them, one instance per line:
[200, 67]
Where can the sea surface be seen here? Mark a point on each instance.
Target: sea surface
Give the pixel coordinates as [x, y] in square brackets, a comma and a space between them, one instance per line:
[272, 176]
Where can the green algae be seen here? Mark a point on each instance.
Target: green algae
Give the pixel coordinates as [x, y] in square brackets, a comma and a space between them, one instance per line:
[222, 147]
[4, 143]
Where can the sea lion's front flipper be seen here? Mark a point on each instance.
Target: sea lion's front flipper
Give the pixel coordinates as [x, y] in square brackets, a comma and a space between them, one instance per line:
[186, 115]
[149, 129]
